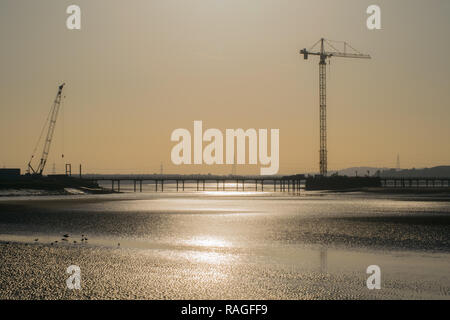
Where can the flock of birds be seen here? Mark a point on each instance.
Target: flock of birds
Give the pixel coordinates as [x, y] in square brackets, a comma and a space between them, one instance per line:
[65, 237]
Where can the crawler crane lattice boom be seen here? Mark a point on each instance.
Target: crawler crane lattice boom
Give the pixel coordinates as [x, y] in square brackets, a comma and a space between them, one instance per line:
[48, 140]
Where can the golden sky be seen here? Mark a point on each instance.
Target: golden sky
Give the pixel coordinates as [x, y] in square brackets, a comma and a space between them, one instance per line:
[137, 70]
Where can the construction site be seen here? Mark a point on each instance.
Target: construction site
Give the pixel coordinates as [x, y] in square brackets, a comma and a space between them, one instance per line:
[324, 49]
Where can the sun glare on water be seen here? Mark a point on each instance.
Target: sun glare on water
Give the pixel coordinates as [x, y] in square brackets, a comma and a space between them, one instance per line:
[209, 242]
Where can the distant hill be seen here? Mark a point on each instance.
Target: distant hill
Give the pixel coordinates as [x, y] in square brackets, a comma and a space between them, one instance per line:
[438, 172]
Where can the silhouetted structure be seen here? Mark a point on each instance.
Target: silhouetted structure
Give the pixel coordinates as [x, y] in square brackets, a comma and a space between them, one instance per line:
[324, 55]
[48, 140]
[291, 184]
[341, 182]
[7, 172]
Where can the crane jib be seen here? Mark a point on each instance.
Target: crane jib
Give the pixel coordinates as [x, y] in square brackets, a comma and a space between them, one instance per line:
[48, 140]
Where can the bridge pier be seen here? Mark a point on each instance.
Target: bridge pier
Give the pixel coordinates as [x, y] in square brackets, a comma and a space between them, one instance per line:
[280, 184]
[414, 183]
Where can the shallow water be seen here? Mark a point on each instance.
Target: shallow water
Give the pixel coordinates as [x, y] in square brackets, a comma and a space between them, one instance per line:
[276, 238]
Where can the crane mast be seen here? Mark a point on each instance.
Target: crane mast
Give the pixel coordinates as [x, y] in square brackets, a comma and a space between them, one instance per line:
[48, 140]
[323, 116]
[324, 55]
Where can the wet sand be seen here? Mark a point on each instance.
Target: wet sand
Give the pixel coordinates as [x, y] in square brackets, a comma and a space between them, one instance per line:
[34, 271]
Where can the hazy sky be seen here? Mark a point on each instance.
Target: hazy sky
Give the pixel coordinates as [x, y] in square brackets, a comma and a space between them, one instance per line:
[137, 70]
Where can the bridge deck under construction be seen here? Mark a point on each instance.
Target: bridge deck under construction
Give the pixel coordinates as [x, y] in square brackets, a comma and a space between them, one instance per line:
[201, 184]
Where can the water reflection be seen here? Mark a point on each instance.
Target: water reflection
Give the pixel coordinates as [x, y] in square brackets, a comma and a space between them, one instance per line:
[210, 242]
[323, 260]
[266, 245]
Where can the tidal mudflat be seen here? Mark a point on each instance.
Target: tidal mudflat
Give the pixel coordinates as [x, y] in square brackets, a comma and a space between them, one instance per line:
[225, 246]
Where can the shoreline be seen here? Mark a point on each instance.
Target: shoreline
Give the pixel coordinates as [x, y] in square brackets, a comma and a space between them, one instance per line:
[65, 191]
[442, 193]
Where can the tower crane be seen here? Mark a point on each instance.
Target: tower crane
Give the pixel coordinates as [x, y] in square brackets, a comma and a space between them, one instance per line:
[324, 55]
[51, 128]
